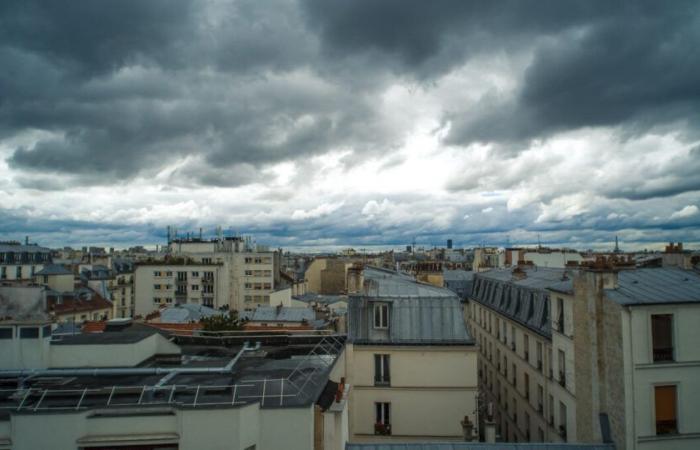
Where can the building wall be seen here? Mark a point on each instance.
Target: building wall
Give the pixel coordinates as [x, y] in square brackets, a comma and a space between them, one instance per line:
[112, 355]
[81, 316]
[147, 276]
[282, 297]
[494, 334]
[59, 283]
[193, 429]
[684, 372]
[432, 389]
[9, 272]
[25, 353]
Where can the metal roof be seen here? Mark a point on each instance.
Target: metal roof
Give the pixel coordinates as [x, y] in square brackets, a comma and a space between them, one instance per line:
[477, 446]
[522, 297]
[22, 248]
[53, 269]
[282, 314]
[418, 313]
[656, 286]
[187, 312]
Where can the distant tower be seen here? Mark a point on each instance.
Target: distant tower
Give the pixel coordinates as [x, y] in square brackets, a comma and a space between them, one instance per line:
[617, 246]
[449, 244]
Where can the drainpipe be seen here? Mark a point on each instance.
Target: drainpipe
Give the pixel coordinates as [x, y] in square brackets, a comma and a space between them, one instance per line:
[112, 371]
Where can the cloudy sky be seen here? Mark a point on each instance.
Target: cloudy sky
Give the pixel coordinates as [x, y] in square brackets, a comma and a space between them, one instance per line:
[325, 123]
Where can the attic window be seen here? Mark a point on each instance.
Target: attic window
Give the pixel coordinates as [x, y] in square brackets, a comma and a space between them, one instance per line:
[381, 315]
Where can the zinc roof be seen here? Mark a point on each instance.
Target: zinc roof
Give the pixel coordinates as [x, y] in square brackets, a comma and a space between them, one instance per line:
[656, 286]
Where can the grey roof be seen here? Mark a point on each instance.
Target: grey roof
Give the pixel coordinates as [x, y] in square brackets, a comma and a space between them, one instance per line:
[418, 313]
[457, 275]
[186, 313]
[656, 286]
[21, 248]
[321, 299]
[387, 283]
[53, 269]
[282, 314]
[523, 299]
[477, 446]
[458, 281]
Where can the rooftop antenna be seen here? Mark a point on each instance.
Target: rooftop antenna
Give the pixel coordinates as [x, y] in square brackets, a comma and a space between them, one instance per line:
[617, 247]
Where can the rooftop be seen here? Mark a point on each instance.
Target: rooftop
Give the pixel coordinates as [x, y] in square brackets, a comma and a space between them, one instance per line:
[280, 314]
[54, 269]
[6, 247]
[656, 286]
[187, 312]
[419, 314]
[275, 377]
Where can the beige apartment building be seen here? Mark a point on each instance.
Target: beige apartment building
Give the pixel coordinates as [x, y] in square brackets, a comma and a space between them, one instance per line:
[568, 356]
[249, 272]
[175, 282]
[411, 361]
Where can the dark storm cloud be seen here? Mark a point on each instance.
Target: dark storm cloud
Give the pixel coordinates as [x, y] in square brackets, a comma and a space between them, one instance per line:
[635, 68]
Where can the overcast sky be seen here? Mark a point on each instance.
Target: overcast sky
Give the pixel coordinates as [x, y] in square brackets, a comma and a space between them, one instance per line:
[329, 123]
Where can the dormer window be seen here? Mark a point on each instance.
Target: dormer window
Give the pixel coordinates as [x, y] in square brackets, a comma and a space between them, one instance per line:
[381, 315]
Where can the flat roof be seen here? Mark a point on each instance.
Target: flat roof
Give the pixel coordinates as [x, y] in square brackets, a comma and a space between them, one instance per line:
[275, 377]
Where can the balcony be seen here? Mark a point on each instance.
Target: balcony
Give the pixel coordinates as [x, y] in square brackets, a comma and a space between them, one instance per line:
[382, 429]
[663, 354]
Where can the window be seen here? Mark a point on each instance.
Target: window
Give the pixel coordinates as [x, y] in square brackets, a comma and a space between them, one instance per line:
[662, 337]
[195, 274]
[156, 273]
[560, 315]
[381, 370]
[526, 385]
[156, 300]
[540, 398]
[381, 315]
[206, 260]
[29, 333]
[512, 339]
[6, 333]
[562, 368]
[182, 276]
[195, 287]
[46, 331]
[3, 273]
[382, 418]
[539, 356]
[526, 347]
[562, 420]
[665, 406]
[156, 287]
[19, 272]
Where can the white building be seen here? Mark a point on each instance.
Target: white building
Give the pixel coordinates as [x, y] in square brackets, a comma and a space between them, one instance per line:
[138, 390]
[249, 272]
[410, 359]
[604, 354]
[20, 262]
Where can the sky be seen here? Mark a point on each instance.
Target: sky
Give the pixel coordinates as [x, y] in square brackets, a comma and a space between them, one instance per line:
[322, 124]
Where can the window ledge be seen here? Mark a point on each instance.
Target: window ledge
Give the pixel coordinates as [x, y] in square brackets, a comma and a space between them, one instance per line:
[667, 437]
[667, 364]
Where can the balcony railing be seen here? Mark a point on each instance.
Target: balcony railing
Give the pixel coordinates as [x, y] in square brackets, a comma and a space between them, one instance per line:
[382, 381]
[663, 354]
[382, 429]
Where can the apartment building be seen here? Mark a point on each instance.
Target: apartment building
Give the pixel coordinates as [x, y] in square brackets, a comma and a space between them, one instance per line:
[249, 272]
[114, 282]
[178, 281]
[19, 262]
[568, 355]
[410, 359]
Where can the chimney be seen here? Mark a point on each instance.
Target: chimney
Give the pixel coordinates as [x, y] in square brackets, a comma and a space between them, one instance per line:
[468, 429]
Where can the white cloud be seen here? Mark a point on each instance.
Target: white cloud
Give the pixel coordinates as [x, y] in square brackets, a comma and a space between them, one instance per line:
[319, 211]
[688, 211]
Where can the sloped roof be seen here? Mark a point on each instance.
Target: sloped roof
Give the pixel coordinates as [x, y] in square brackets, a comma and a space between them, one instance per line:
[53, 269]
[656, 286]
[80, 300]
[22, 248]
[418, 313]
[524, 297]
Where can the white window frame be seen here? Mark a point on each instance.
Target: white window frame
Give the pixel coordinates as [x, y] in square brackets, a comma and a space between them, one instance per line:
[381, 316]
